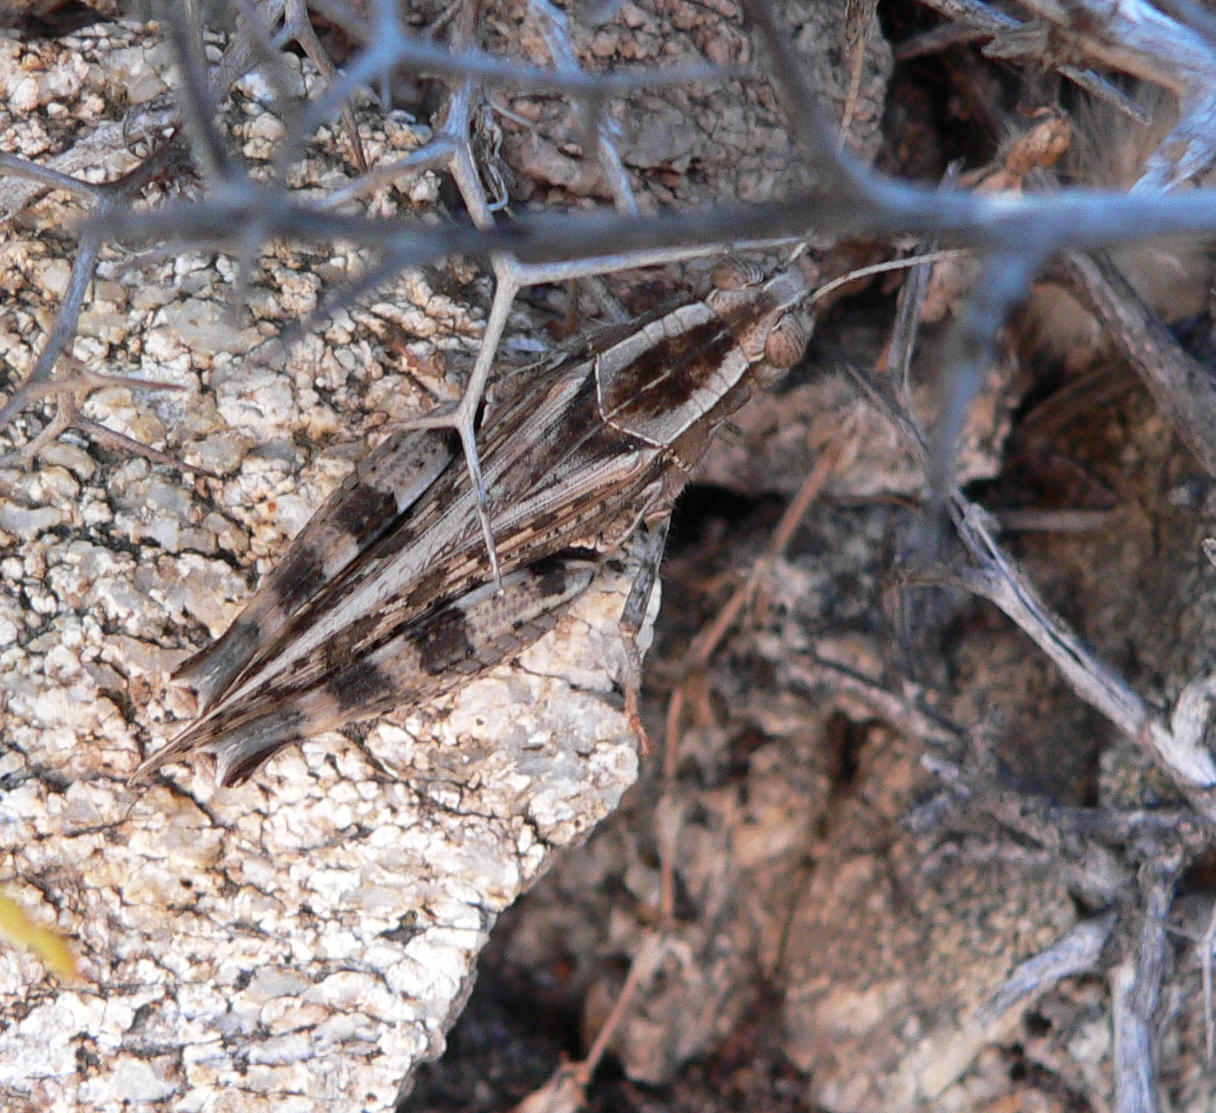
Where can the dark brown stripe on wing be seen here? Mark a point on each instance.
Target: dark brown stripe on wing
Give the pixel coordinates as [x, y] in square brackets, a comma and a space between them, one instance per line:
[552, 578]
[668, 373]
[359, 685]
[298, 578]
[444, 642]
[365, 510]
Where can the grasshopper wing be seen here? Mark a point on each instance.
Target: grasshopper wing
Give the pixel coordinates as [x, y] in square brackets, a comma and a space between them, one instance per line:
[419, 660]
[365, 507]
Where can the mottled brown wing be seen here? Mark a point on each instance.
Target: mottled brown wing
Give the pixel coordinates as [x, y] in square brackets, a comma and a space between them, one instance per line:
[415, 661]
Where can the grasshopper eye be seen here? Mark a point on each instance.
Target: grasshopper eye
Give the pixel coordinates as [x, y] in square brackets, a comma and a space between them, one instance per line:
[734, 273]
[788, 340]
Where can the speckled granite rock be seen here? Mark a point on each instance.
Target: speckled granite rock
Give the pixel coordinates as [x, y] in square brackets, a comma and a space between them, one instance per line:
[298, 943]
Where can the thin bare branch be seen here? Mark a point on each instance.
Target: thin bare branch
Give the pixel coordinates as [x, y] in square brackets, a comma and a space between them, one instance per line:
[48, 177]
[1076, 952]
[1182, 388]
[399, 48]
[63, 330]
[196, 104]
[1136, 993]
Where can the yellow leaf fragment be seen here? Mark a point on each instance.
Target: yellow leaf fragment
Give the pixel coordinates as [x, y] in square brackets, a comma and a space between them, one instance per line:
[17, 928]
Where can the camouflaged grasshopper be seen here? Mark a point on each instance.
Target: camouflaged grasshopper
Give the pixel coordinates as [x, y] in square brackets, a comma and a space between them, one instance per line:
[387, 596]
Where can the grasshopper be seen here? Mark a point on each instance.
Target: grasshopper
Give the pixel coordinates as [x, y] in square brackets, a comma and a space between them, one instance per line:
[387, 596]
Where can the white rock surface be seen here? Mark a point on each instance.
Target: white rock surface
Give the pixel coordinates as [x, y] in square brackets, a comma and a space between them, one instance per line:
[299, 943]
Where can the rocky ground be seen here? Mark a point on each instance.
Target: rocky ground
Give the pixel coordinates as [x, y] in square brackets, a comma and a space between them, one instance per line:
[884, 858]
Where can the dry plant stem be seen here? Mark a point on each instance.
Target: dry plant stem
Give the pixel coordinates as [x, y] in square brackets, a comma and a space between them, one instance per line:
[970, 350]
[206, 87]
[298, 27]
[565, 1088]
[27, 455]
[1081, 219]
[255, 28]
[457, 129]
[1101, 89]
[937, 39]
[1077, 952]
[52, 179]
[909, 307]
[858, 14]
[67, 394]
[1181, 387]
[85, 379]
[199, 95]
[390, 44]
[838, 173]
[1207, 949]
[1136, 994]
[387, 35]
[906, 711]
[1177, 747]
[1037, 819]
[847, 200]
[1092, 844]
[242, 53]
[434, 155]
[122, 443]
[1074, 842]
[603, 1038]
[554, 27]
[64, 328]
[109, 197]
